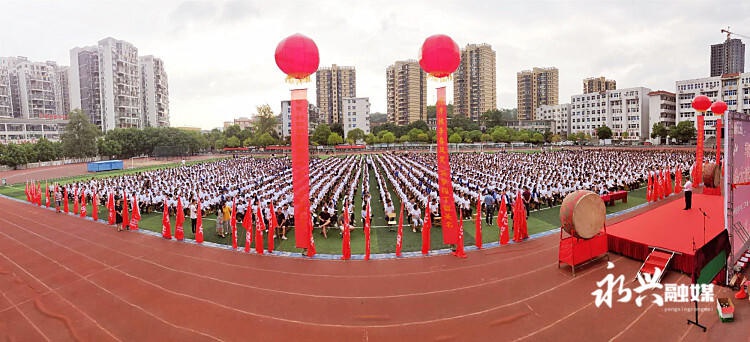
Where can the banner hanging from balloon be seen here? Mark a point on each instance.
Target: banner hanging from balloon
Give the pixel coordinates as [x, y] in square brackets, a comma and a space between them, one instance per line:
[300, 167]
[445, 184]
[698, 177]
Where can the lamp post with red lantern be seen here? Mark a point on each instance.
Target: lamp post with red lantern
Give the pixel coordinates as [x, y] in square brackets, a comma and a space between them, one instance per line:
[701, 103]
[297, 56]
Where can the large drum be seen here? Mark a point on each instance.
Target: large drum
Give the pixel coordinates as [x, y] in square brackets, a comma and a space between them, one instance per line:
[711, 175]
[582, 214]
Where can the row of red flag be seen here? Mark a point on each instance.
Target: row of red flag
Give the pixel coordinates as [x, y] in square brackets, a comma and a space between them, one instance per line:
[660, 185]
[34, 195]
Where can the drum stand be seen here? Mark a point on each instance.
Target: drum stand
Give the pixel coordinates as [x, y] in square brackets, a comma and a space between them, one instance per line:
[696, 318]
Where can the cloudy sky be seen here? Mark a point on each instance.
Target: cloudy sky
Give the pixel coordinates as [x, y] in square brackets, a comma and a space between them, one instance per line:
[219, 53]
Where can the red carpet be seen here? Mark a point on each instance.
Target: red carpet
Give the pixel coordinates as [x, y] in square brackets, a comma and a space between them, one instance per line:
[669, 227]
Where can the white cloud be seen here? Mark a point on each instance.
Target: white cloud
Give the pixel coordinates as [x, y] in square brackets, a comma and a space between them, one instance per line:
[219, 54]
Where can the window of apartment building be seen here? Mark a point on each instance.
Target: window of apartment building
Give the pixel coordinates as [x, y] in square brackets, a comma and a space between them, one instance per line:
[731, 102]
[732, 92]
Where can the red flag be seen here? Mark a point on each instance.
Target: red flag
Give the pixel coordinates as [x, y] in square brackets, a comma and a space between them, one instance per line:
[519, 220]
[46, 194]
[648, 188]
[166, 227]
[199, 224]
[367, 233]
[669, 182]
[260, 227]
[75, 201]
[502, 222]
[27, 192]
[311, 249]
[272, 227]
[460, 245]
[65, 200]
[111, 207]
[665, 176]
[125, 215]
[95, 207]
[400, 234]
[346, 244]
[83, 204]
[136, 214]
[426, 230]
[247, 222]
[447, 204]
[478, 223]
[179, 232]
[233, 223]
[678, 181]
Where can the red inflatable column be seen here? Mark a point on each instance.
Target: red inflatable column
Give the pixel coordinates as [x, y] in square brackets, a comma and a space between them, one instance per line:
[300, 168]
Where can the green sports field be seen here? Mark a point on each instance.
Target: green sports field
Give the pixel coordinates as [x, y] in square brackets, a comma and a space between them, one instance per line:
[383, 240]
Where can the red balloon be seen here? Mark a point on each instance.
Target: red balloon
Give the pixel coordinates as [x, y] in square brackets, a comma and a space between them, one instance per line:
[297, 56]
[439, 56]
[719, 107]
[701, 103]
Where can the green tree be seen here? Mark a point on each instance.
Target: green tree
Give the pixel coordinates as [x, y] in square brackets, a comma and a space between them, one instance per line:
[108, 147]
[537, 138]
[355, 135]
[413, 135]
[496, 117]
[219, 144]
[404, 138]
[474, 136]
[265, 121]
[334, 139]
[455, 138]
[388, 138]
[79, 138]
[233, 141]
[370, 139]
[14, 155]
[321, 133]
[604, 132]
[30, 151]
[45, 151]
[232, 131]
[683, 132]
[556, 138]
[625, 135]
[265, 139]
[338, 129]
[658, 130]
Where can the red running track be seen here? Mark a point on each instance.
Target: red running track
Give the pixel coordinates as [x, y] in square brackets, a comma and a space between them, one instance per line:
[63, 278]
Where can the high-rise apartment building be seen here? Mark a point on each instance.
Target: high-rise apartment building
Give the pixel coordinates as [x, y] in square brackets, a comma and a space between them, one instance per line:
[598, 84]
[121, 84]
[85, 84]
[734, 89]
[62, 89]
[33, 87]
[155, 91]
[728, 57]
[332, 85]
[474, 82]
[116, 88]
[6, 103]
[536, 87]
[407, 92]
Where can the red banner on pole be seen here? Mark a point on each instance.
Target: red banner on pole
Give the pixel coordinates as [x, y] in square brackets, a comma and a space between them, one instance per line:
[300, 169]
[698, 171]
[447, 205]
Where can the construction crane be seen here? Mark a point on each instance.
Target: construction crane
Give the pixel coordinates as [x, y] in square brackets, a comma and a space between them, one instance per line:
[729, 34]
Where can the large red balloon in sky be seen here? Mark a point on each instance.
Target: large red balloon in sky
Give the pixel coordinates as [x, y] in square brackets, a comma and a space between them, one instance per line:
[439, 56]
[719, 107]
[701, 103]
[297, 56]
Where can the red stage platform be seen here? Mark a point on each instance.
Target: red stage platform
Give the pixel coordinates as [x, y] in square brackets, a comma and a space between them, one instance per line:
[672, 228]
